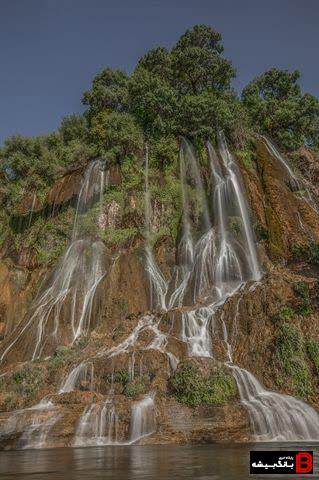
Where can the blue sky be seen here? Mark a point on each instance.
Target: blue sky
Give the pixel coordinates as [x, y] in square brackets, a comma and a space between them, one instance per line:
[51, 49]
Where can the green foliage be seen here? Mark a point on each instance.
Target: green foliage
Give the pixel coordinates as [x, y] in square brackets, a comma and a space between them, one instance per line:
[11, 401]
[164, 152]
[116, 135]
[83, 342]
[47, 237]
[114, 194]
[31, 164]
[277, 107]
[135, 387]
[235, 224]
[285, 313]
[27, 380]
[73, 127]
[261, 232]
[304, 307]
[119, 236]
[312, 347]
[153, 102]
[197, 63]
[189, 386]
[62, 357]
[291, 354]
[109, 92]
[247, 157]
[182, 91]
[314, 253]
[120, 376]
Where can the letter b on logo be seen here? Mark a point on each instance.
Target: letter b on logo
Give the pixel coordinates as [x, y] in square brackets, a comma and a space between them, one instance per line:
[303, 462]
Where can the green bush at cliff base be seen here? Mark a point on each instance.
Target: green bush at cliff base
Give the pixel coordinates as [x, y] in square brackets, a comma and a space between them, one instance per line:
[189, 386]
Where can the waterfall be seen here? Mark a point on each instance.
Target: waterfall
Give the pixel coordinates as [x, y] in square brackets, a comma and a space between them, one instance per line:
[224, 265]
[222, 262]
[34, 198]
[189, 159]
[273, 416]
[97, 425]
[274, 152]
[81, 373]
[143, 422]
[296, 181]
[239, 197]
[185, 251]
[157, 282]
[34, 424]
[36, 435]
[70, 290]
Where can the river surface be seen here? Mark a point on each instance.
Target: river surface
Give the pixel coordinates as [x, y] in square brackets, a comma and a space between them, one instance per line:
[162, 462]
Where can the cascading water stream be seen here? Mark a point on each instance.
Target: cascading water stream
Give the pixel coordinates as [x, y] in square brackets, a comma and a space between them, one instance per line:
[158, 285]
[208, 271]
[272, 149]
[71, 288]
[273, 416]
[222, 263]
[143, 422]
[236, 185]
[34, 198]
[189, 159]
[98, 425]
[296, 181]
[81, 373]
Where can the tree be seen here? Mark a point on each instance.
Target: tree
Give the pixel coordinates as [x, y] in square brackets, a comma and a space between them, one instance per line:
[276, 106]
[109, 92]
[73, 127]
[178, 91]
[153, 102]
[116, 135]
[157, 62]
[202, 116]
[197, 62]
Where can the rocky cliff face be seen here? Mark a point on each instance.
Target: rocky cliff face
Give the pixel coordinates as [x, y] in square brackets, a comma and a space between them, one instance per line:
[130, 349]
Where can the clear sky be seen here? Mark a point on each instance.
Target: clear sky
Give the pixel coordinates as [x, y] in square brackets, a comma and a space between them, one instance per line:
[51, 49]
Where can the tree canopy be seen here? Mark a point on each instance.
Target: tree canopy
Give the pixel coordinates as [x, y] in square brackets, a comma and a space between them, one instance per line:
[185, 90]
[172, 92]
[276, 106]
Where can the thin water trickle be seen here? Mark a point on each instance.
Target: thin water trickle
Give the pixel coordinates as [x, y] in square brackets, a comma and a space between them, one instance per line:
[297, 182]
